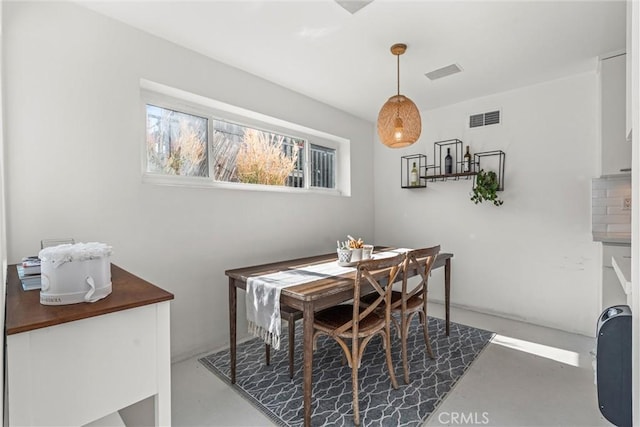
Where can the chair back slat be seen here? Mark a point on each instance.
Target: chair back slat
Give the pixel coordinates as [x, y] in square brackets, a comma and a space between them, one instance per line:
[422, 261]
[378, 274]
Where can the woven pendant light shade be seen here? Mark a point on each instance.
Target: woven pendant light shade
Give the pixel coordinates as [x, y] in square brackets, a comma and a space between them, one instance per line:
[404, 108]
[399, 123]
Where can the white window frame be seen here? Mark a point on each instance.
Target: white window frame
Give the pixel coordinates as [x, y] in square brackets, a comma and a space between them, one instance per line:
[175, 99]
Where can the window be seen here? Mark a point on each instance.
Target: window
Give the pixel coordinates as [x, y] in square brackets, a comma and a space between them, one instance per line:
[190, 140]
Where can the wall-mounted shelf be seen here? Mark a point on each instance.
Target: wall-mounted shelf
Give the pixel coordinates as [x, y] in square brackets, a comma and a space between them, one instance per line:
[499, 157]
[437, 171]
[407, 177]
[440, 148]
[446, 176]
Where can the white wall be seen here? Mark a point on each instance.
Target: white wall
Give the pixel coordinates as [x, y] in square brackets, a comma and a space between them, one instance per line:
[73, 164]
[3, 228]
[633, 52]
[532, 258]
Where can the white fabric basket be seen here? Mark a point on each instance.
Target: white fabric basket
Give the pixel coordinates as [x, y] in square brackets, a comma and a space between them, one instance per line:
[75, 273]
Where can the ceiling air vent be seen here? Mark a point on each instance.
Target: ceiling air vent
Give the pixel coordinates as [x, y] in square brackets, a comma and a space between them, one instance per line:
[443, 72]
[484, 119]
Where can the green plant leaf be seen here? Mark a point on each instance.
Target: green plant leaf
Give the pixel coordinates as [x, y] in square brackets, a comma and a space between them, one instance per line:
[486, 188]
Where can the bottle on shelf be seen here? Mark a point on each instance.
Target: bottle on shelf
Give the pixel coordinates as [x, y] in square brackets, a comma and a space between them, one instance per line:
[466, 164]
[448, 163]
[414, 175]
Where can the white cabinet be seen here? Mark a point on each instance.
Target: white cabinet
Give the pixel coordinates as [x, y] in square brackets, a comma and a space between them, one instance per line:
[615, 152]
[77, 372]
[74, 364]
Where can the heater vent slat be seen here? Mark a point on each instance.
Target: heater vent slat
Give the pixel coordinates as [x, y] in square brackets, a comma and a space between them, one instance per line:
[476, 120]
[492, 118]
[484, 119]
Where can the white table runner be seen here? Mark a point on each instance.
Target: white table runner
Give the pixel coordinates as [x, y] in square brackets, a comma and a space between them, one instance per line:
[263, 294]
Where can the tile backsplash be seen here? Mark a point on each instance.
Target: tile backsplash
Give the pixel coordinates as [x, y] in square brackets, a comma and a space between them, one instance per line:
[607, 204]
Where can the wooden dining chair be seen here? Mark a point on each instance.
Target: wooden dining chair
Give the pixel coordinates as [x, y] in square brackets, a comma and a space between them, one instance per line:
[353, 326]
[290, 315]
[409, 302]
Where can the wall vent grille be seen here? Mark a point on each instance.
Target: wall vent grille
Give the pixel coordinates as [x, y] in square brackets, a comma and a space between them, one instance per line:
[484, 119]
[476, 120]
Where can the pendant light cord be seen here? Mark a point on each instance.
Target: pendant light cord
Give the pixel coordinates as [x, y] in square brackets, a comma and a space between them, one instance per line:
[398, 56]
[398, 97]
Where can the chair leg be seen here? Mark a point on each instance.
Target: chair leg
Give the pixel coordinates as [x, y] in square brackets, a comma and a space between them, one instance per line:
[292, 342]
[396, 325]
[425, 328]
[387, 339]
[354, 382]
[267, 353]
[403, 338]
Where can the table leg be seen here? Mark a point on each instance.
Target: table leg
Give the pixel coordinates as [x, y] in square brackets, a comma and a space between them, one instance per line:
[447, 292]
[233, 291]
[308, 360]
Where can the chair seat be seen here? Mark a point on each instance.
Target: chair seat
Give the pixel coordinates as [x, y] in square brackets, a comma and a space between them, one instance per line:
[413, 303]
[334, 317]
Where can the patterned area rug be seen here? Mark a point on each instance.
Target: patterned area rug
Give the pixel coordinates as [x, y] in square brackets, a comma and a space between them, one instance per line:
[270, 389]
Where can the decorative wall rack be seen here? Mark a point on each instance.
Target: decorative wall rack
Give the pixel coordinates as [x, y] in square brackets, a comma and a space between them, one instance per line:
[493, 160]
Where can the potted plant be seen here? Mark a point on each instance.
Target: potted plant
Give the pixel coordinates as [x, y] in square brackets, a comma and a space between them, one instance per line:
[486, 188]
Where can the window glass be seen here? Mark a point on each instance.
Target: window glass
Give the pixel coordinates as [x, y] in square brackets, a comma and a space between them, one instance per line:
[176, 143]
[252, 156]
[323, 161]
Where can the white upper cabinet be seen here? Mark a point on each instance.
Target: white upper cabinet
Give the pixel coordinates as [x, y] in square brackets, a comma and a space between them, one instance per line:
[616, 152]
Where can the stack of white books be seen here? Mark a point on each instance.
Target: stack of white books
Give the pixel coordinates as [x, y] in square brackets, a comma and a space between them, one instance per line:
[29, 273]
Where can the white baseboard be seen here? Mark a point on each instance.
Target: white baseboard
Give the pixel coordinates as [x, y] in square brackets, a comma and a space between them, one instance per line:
[509, 316]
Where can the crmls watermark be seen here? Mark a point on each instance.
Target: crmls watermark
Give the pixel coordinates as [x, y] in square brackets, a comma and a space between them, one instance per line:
[464, 418]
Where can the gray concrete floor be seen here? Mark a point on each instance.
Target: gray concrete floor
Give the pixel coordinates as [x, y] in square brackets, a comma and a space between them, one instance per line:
[528, 376]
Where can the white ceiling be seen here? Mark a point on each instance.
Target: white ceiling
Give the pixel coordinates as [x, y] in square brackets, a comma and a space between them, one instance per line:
[319, 49]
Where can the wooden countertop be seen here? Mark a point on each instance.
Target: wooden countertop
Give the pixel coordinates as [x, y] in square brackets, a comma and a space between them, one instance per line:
[25, 313]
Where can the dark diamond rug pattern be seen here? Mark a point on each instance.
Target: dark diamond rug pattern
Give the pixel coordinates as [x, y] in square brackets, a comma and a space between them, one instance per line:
[280, 398]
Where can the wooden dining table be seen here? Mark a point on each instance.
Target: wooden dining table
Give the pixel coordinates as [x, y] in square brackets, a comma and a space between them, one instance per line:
[310, 297]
